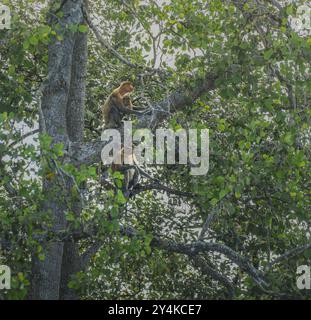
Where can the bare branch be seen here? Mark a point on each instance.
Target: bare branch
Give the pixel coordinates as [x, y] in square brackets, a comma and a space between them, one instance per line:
[288, 254]
[23, 137]
[191, 250]
[210, 218]
[105, 43]
[156, 186]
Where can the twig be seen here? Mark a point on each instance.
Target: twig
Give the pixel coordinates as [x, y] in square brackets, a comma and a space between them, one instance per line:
[210, 218]
[8, 186]
[287, 255]
[26, 135]
[107, 45]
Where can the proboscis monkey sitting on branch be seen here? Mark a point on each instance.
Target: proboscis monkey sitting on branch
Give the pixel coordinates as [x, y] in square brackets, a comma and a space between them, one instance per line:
[118, 104]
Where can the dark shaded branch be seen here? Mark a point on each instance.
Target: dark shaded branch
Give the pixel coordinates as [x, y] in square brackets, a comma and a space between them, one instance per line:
[209, 270]
[104, 42]
[23, 137]
[191, 250]
[195, 248]
[288, 254]
[156, 186]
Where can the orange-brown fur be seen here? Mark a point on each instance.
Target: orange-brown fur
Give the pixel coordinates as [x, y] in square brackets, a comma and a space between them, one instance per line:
[117, 104]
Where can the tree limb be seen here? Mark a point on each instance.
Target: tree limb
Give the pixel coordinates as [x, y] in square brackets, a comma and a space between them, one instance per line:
[108, 46]
[288, 254]
[23, 137]
[160, 187]
[195, 248]
[89, 153]
[211, 271]
[104, 42]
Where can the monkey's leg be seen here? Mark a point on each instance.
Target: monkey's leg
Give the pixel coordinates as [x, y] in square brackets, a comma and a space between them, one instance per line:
[126, 183]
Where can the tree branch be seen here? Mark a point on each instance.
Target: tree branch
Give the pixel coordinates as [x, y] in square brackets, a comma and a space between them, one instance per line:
[107, 45]
[195, 248]
[89, 153]
[211, 271]
[156, 186]
[287, 255]
[23, 137]
[190, 250]
[104, 42]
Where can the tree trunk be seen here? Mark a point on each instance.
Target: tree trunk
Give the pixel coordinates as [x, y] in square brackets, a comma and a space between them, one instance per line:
[62, 112]
[75, 127]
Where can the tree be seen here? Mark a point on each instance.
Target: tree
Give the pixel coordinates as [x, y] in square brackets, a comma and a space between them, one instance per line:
[238, 232]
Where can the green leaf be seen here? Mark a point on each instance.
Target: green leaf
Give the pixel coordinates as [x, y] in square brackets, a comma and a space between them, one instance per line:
[33, 40]
[120, 197]
[26, 44]
[267, 54]
[289, 10]
[83, 28]
[70, 216]
[237, 194]
[288, 139]
[58, 149]
[41, 256]
[222, 194]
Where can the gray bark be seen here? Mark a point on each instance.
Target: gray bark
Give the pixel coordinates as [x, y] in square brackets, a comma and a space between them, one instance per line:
[75, 126]
[47, 274]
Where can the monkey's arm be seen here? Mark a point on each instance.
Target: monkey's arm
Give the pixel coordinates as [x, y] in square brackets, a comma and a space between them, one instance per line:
[124, 109]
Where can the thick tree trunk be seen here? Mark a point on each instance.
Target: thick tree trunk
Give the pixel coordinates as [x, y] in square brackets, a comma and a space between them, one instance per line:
[59, 94]
[75, 127]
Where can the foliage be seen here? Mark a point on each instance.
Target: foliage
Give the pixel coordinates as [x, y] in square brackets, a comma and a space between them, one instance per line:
[259, 118]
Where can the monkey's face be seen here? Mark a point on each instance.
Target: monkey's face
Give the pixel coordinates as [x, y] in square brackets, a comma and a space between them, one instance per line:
[126, 87]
